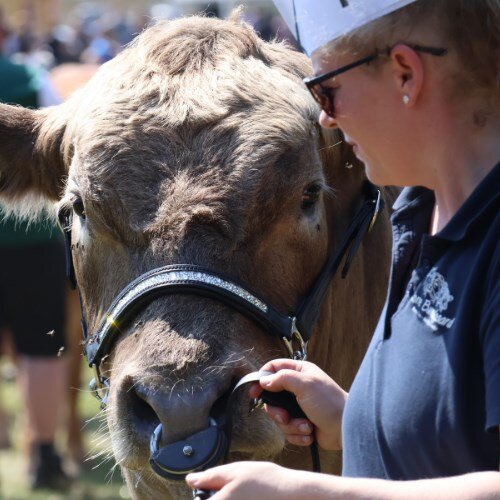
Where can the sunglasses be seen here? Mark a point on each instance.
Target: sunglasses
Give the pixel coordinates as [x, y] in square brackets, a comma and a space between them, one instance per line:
[324, 96]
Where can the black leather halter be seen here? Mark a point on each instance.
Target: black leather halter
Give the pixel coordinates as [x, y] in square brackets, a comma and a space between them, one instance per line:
[294, 330]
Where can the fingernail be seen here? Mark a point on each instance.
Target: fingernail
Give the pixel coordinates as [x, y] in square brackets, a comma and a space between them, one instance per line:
[279, 419]
[304, 428]
[265, 380]
[305, 439]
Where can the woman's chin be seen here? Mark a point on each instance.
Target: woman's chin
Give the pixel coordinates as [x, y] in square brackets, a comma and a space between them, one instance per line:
[374, 174]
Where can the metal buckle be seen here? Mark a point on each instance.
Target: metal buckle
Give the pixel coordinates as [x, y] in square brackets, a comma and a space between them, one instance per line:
[301, 353]
[99, 387]
[377, 210]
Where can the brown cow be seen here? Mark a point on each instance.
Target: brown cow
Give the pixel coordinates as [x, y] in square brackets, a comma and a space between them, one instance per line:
[199, 144]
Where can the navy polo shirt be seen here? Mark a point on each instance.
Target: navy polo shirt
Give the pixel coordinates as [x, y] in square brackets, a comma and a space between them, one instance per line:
[426, 400]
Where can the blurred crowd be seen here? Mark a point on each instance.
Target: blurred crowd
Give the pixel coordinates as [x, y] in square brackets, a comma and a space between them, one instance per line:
[94, 32]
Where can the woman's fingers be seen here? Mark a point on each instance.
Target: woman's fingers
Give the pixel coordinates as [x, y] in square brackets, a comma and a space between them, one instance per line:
[212, 479]
[287, 425]
[298, 431]
[284, 380]
[299, 440]
[255, 390]
[281, 364]
[275, 366]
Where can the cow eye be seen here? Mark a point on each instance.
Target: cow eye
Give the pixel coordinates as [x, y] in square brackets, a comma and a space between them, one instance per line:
[79, 208]
[310, 196]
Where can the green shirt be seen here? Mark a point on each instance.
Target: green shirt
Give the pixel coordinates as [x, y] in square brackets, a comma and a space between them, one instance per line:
[19, 85]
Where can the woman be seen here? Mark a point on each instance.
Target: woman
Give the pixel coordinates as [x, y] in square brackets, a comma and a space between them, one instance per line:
[416, 92]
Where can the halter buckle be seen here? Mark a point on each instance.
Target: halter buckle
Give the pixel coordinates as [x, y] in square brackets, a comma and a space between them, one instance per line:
[296, 338]
[99, 387]
[376, 211]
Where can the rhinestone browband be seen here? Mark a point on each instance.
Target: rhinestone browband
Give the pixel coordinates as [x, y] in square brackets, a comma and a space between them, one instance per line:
[173, 277]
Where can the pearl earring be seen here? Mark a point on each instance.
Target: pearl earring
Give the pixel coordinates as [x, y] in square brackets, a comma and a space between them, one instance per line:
[406, 99]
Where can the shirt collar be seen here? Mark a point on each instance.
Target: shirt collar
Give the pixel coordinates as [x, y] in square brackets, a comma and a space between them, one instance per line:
[416, 202]
[410, 199]
[478, 205]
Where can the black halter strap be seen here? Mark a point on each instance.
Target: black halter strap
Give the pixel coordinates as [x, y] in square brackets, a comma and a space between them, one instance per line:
[363, 221]
[182, 279]
[294, 330]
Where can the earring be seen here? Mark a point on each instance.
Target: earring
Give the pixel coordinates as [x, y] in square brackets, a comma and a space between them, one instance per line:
[406, 99]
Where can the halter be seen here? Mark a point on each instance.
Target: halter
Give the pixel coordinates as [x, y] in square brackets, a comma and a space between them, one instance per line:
[293, 330]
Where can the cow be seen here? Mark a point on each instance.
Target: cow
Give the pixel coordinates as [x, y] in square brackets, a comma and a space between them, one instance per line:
[198, 144]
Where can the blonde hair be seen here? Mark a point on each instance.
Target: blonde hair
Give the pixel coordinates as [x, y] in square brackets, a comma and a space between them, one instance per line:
[469, 29]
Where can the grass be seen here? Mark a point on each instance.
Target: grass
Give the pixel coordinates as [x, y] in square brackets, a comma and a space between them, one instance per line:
[93, 483]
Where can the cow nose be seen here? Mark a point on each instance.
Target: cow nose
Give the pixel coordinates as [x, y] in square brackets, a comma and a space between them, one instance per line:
[180, 412]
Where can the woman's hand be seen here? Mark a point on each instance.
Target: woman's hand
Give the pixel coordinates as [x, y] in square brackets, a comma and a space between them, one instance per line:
[251, 480]
[321, 399]
[267, 481]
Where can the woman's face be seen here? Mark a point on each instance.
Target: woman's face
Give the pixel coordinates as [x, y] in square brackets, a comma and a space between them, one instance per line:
[370, 112]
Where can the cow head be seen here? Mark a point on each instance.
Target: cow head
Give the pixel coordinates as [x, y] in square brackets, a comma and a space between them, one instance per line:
[198, 144]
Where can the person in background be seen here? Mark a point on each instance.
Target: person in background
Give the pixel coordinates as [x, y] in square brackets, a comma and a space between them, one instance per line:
[32, 299]
[414, 85]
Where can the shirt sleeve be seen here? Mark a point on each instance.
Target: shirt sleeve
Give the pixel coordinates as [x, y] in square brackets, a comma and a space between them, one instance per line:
[490, 334]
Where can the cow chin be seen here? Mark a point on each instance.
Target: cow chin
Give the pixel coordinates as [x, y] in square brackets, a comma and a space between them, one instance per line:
[255, 437]
[144, 484]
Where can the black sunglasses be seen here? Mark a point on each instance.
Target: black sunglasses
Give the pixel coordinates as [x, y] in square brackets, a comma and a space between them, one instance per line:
[324, 96]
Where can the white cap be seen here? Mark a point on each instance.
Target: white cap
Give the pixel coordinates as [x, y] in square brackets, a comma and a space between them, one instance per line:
[316, 22]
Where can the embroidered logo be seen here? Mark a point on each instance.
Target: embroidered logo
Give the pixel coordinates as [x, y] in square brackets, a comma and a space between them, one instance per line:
[432, 299]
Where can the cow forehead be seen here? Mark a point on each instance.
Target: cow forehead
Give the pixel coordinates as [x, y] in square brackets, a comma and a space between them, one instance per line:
[120, 123]
[192, 87]
[215, 186]
[170, 111]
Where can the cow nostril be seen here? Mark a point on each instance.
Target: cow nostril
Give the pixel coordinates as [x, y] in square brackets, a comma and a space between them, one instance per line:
[142, 410]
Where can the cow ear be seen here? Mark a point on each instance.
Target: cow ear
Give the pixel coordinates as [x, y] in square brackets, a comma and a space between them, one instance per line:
[32, 167]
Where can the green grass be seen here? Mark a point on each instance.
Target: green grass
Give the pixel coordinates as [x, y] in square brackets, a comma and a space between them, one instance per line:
[94, 481]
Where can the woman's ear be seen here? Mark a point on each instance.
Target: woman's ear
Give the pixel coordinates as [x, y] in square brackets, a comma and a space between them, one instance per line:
[408, 73]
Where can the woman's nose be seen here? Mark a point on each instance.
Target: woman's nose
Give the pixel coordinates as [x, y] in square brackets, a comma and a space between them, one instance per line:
[326, 121]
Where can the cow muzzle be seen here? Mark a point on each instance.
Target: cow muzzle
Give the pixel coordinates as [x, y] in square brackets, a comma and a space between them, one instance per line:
[205, 448]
